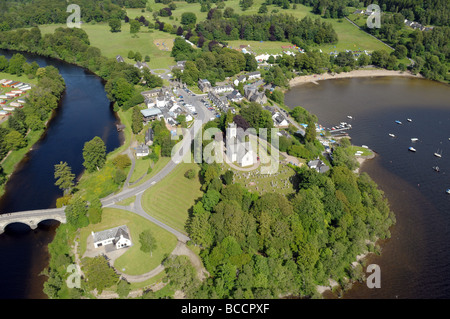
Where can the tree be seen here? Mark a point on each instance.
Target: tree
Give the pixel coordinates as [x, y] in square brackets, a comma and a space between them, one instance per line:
[190, 174]
[14, 140]
[99, 274]
[135, 26]
[94, 154]
[123, 288]
[228, 177]
[64, 176]
[115, 25]
[188, 18]
[137, 121]
[76, 213]
[119, 90]
[148, 241]
[16, 64]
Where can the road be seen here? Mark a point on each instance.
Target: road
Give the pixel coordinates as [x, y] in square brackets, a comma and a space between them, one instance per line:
[203, 115]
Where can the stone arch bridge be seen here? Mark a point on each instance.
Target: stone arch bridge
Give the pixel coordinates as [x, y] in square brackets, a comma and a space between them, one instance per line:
[32, 218]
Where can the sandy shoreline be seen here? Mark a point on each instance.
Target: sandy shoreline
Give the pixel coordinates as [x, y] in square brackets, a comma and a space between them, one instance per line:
[352, 74]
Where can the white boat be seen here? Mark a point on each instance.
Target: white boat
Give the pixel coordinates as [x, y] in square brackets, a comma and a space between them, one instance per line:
[436, 168]
[448, 191]
[412, 149]
[437, 154]
[409, 120]
[391, 135]
[350, 117]
[414, 139]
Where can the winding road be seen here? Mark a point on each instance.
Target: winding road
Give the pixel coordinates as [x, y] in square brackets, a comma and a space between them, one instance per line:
[203, 116]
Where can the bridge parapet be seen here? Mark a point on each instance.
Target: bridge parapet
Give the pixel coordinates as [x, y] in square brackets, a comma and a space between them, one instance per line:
[32, 218]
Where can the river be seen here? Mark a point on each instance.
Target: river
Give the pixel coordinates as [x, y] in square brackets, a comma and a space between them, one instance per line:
[415, 261]
[84, 112]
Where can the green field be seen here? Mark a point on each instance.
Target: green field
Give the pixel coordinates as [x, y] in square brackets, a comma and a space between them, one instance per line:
[112, 44]
[350, 37]
[142, 169]
[133, 261]
[170, 199]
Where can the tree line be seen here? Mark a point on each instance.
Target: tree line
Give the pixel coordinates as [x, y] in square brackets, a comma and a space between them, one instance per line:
[18, 14]
[40, 102]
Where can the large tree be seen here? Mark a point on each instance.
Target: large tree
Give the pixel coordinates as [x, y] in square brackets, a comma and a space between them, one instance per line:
[64, 176]
[94, 154]
[147, 241]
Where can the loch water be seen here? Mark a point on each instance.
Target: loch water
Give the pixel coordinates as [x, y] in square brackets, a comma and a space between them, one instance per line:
[415, 261]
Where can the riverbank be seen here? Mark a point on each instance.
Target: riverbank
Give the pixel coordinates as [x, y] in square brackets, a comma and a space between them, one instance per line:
[352, 74]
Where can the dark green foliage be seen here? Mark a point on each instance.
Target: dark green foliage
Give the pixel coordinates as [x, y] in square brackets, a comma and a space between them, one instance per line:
[137, 121]
[269, 245]
[190, 174]
[94, 154]
[76, 213]
[147, 241]
[99, 274]
[64, 176]
[228, 177]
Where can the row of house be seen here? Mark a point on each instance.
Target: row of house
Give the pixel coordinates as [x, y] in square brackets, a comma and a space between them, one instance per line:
[416, 25]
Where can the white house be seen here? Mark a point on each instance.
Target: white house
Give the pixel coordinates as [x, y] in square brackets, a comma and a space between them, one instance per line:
[118, 236]
[253, 75]
[142, 150]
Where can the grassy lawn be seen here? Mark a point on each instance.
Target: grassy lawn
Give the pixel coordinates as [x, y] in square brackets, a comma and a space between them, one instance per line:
[134, 261]
[99, 184]
[170, 199]
[140, 169]
[112, 44]
[127, 201]
[163, 161]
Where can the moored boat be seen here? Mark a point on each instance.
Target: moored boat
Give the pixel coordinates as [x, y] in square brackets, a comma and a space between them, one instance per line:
[437, 154]
[448, 191]
[398, 122]
[414, 139]
[412, 149]
[391, 135]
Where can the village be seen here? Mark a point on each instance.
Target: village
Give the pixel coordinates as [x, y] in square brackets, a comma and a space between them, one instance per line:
[12, 97]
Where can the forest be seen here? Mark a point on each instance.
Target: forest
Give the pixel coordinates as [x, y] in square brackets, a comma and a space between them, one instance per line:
[271, 245]
[274, 27]
[18, 14]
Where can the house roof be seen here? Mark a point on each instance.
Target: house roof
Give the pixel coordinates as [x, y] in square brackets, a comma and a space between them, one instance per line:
[142, 149]
[111, 233]
[151, 112]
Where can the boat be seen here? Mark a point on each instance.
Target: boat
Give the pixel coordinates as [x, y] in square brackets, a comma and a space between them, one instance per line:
[412, 149]
[409, 120]
[414, 139]
[437, 154]
[398, 122]
[436, 168]
[350, 117]
[448, 191]
[391, 135]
